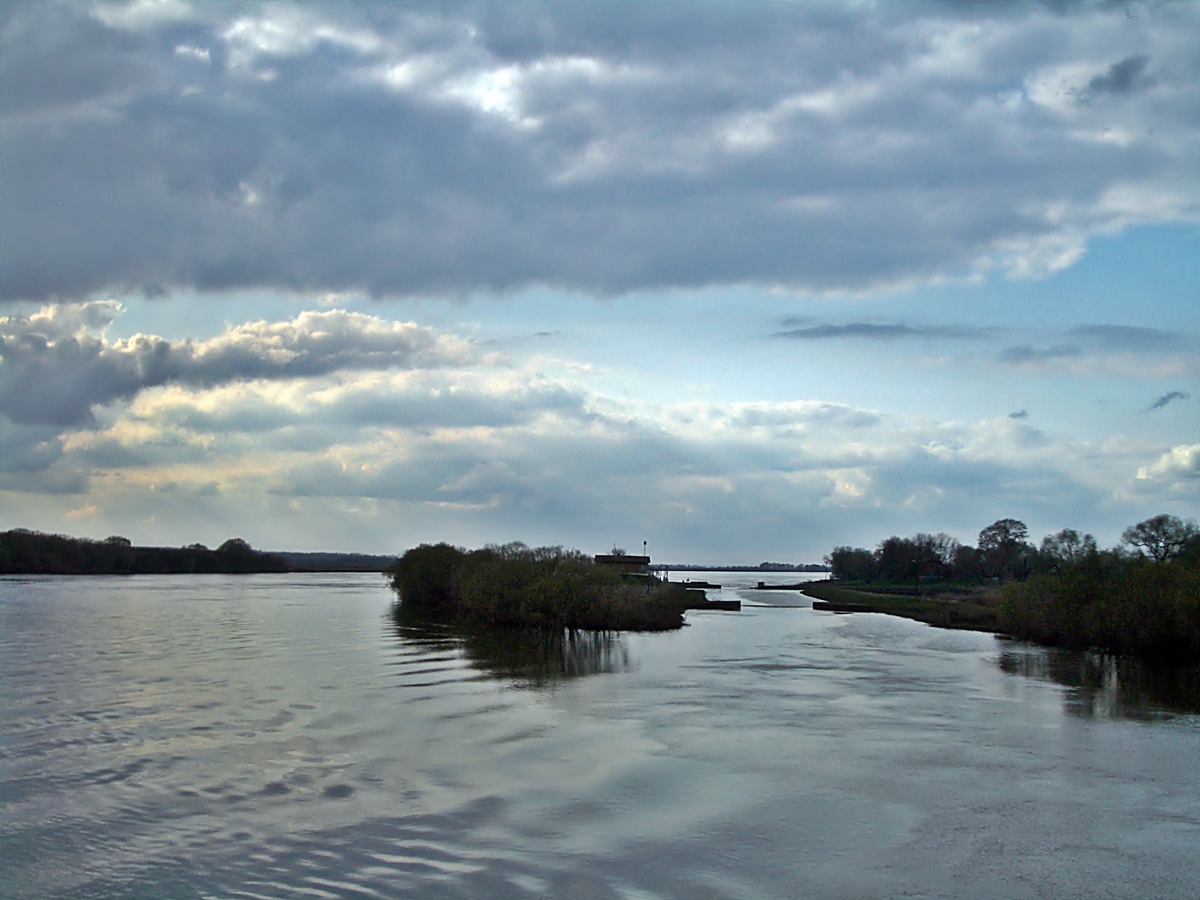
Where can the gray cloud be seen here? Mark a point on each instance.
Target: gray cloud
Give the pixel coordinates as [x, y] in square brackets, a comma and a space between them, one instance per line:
[883, 332]
[1126, 337]
[1122, 77]
[527, 473]
[446, 149]
[54, 371]
[32, 461]
[802, 416]
[1169, 397]
[27, 450]
[108, 454]
[1019, 414]
[1027, 353]
[1131, 350]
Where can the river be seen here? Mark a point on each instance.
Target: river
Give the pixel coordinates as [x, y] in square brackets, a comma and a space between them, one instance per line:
[282, 736]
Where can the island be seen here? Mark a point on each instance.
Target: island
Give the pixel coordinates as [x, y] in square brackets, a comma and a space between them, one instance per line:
[515, 586]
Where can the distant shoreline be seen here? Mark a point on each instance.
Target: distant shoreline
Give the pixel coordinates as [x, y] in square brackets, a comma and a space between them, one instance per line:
[24, 552]
[772, 569]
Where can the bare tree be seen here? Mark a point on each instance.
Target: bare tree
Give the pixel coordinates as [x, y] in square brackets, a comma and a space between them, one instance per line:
[1162, 537]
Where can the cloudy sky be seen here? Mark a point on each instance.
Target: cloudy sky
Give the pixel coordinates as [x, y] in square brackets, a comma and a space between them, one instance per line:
[745, 280]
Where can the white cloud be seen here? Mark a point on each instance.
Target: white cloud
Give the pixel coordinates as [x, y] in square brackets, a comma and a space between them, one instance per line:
[142, 14]
[1176, 472]
[54, 370]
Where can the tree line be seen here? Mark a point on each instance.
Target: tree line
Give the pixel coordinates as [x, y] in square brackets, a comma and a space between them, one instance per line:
[1004, 552]
[24, 552]
[1141, 597]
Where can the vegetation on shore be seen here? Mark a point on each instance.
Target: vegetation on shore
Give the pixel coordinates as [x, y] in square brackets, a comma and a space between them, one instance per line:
[1141, 598]
[543, 588]
[25, 552]
[1111, 601]
[974, 609]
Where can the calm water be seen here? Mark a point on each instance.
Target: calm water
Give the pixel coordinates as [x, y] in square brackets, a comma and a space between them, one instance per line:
[281, 736]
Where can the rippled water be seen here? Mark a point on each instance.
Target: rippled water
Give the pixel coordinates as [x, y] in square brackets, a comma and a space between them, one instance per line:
[282, 736]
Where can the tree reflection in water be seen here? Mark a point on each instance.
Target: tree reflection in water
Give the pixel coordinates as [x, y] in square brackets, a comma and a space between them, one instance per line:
[529, 658]
[1107, 686]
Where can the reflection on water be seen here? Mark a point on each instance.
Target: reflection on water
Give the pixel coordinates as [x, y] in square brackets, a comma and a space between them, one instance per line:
[280, 736]
[1107, 686]
[527, 658]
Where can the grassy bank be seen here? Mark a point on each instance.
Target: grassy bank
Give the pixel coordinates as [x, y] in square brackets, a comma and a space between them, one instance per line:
[1141, 598]
[1103, 602]
[974, 610]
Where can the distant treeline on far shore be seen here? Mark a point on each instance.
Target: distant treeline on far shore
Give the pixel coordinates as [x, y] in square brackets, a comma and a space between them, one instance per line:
[761, 567]
[24, 552]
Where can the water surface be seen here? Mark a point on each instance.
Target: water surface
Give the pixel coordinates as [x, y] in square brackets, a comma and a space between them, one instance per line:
[282, 736]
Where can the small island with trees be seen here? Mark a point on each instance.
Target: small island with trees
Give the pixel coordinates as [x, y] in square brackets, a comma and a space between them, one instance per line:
[1140, 598]
[514, 586]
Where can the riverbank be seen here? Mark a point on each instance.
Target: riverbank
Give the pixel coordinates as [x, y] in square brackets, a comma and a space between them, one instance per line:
[976, 609]
[1132, 607]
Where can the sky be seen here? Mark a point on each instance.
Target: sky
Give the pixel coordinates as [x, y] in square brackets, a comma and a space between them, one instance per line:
[742, 280]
